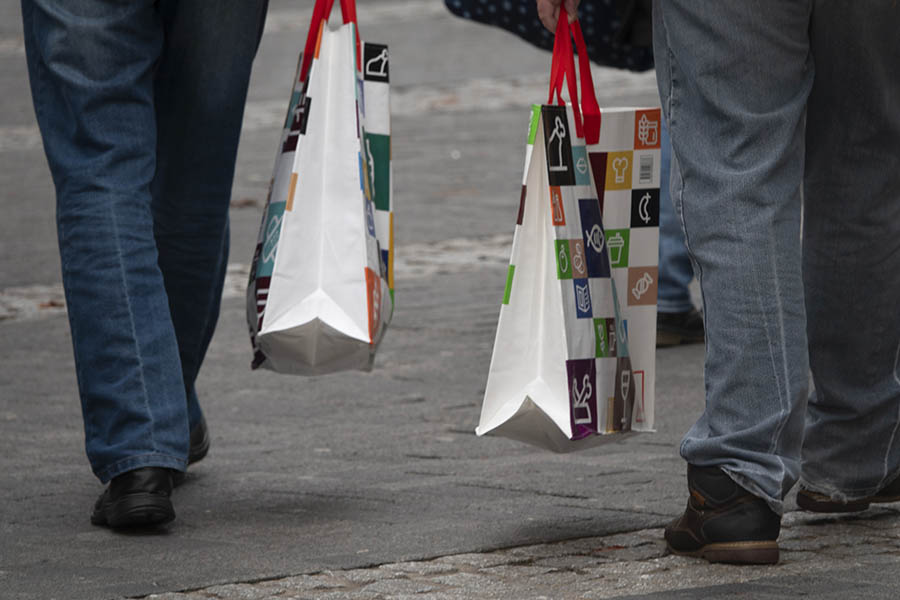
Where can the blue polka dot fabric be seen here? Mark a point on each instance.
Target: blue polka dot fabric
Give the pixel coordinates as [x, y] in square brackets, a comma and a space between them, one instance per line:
[600, 21]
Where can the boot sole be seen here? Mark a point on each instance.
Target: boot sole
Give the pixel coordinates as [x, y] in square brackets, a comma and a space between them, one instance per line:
[738, 553]
[136, 510]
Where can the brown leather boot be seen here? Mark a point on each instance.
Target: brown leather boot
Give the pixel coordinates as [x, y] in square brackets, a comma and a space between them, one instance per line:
[723, 522]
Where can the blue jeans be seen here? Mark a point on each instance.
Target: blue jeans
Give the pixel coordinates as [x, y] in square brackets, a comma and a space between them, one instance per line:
[140, 106]
[776, 107]
[675, 270]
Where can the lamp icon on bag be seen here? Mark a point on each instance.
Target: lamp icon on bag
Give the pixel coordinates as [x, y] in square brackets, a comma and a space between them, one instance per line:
[620, 166]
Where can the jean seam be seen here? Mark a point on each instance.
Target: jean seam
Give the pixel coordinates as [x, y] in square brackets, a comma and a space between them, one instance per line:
[137, 347]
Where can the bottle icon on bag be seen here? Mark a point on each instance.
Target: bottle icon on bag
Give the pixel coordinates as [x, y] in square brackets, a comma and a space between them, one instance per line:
[615, 245]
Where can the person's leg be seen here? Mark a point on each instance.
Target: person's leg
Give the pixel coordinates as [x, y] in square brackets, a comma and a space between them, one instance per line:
[734, 79]
[677, 321]
[91, 65]
[201, 87]
[675, 270]
[851, 260]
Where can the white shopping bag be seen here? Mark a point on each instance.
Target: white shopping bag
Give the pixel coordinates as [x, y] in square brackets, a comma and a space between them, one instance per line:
[574, 354]
[320, 292]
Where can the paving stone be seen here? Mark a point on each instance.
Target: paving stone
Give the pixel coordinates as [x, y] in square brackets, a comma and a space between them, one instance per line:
[426, 567]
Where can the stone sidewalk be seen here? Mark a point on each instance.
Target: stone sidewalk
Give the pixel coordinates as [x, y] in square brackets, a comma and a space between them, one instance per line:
[842, 556]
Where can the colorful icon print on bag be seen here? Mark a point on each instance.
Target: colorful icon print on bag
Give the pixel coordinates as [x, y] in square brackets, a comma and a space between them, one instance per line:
[594, 238]
[647, 128]
[579, 264]
[617, 241]
[640, 414]
[642, 286]
[563, 259]
[558, 144]
[370, 217]
[582, 167]
[620, 412]
[645, 208]
[582, 376]
[298, 116]
[373, 287]
[376, 63]
[378, 157]
[605, 336]
[582, 299]
[521, 205]
[618, 170]
[598, 170]
[557, 211]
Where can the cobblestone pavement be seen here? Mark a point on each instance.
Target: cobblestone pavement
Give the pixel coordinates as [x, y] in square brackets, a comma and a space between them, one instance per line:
[591, 568]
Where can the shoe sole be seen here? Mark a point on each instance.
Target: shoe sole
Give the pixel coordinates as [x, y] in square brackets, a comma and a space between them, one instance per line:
[136, 510]
[812, 503]
[738, 553]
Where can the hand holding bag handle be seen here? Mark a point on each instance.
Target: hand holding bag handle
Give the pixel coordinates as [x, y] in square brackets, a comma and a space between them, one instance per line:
[587, 114]
[321, 12]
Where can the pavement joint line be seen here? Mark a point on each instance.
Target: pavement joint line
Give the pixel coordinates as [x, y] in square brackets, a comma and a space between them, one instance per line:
[413, 261]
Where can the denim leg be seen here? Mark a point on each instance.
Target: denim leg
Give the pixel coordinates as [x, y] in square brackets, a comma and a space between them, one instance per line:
[734, 78]
[675, 270]
[91, 66]
[851, 260]
[201, 88]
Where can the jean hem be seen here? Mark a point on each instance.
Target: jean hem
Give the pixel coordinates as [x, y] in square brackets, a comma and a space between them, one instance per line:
[136, 462]
[845, 495]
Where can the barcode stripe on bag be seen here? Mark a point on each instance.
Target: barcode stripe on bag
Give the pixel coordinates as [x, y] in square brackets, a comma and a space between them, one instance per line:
[645, 175]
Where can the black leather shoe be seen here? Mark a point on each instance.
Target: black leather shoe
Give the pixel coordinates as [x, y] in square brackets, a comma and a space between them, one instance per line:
[198, 449]
[673, 329]
[138, 498]
[816, 502]
[724, 522]
[199, 442]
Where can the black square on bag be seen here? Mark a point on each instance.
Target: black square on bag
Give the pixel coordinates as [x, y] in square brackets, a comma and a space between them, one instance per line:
[558, 143]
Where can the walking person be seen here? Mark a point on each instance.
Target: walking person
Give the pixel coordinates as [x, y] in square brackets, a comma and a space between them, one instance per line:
[783, 117]
[140, 107]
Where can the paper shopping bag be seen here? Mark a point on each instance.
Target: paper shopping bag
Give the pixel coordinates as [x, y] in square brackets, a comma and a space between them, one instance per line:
[320, 292]
[574, 353]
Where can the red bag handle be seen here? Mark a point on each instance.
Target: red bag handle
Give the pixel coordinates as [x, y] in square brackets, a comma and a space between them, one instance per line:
[587, 114]
[321, 12]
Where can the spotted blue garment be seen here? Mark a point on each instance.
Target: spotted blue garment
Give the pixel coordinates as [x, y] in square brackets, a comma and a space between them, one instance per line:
[602, 21]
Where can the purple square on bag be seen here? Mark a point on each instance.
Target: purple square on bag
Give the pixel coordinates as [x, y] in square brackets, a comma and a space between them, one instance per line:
[582, 376]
